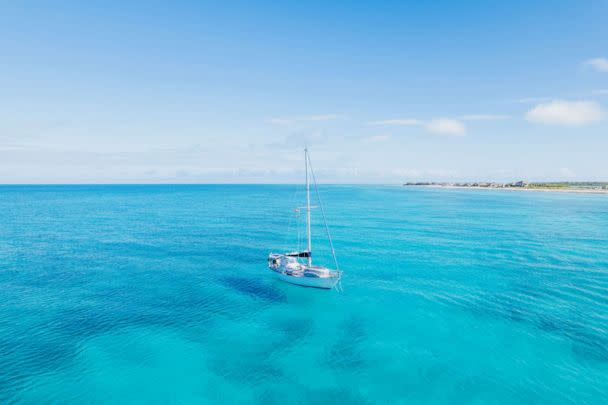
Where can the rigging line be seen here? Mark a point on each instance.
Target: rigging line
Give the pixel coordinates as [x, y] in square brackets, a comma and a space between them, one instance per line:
[331, 244]
[298, 220]
[298, 226]
[289, 226]
[292, 219]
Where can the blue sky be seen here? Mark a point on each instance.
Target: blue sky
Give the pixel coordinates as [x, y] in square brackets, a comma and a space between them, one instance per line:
[382, 92]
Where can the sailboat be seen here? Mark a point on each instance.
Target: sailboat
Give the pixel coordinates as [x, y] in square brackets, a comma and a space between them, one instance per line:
[297, 267]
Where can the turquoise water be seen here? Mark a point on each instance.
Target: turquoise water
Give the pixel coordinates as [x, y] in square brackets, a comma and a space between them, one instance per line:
[160, 294]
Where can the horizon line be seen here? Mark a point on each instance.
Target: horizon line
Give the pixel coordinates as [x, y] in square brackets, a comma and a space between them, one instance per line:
[294, 183]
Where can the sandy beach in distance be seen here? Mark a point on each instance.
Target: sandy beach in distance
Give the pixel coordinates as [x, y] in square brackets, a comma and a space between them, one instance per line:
[547, 190]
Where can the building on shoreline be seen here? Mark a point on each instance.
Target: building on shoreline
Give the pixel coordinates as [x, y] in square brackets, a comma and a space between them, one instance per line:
[580, 186]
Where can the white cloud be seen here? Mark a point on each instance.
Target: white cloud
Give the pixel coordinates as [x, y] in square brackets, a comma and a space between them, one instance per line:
[446, 126]
[379, 138]
[484, 117]
[402, 121]
[530, 100]
[569, 113]
[599, 64]
[325, 117]
[280, 121]
[300, 139]
[309, 118]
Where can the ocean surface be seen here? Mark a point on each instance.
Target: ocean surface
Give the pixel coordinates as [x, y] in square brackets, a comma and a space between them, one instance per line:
[161, 294]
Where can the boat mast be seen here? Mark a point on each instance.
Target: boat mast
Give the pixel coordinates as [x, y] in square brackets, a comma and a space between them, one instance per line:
[308, 207]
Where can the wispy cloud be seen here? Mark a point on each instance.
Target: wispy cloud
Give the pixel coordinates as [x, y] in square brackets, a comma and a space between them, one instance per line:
[379, 138]
[325, 117]
[599, 64]
[484, 117]
[443, 126]
[398, 122]
[446, 126]
[299, 139]
[531, 100]
[568, 113]
[308, 118]
[601, 92]
[280, 121]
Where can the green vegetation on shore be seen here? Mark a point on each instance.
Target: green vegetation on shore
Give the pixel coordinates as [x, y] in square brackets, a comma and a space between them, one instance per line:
[558, 185]
[572, 185]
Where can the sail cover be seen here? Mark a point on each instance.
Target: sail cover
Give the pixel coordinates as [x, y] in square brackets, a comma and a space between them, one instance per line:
[298, 254]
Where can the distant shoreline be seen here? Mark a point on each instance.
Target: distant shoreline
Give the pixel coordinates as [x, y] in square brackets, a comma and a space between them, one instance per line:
[539, 189]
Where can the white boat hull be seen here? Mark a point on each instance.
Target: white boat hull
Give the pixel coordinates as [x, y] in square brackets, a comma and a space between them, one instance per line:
[317, 282]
